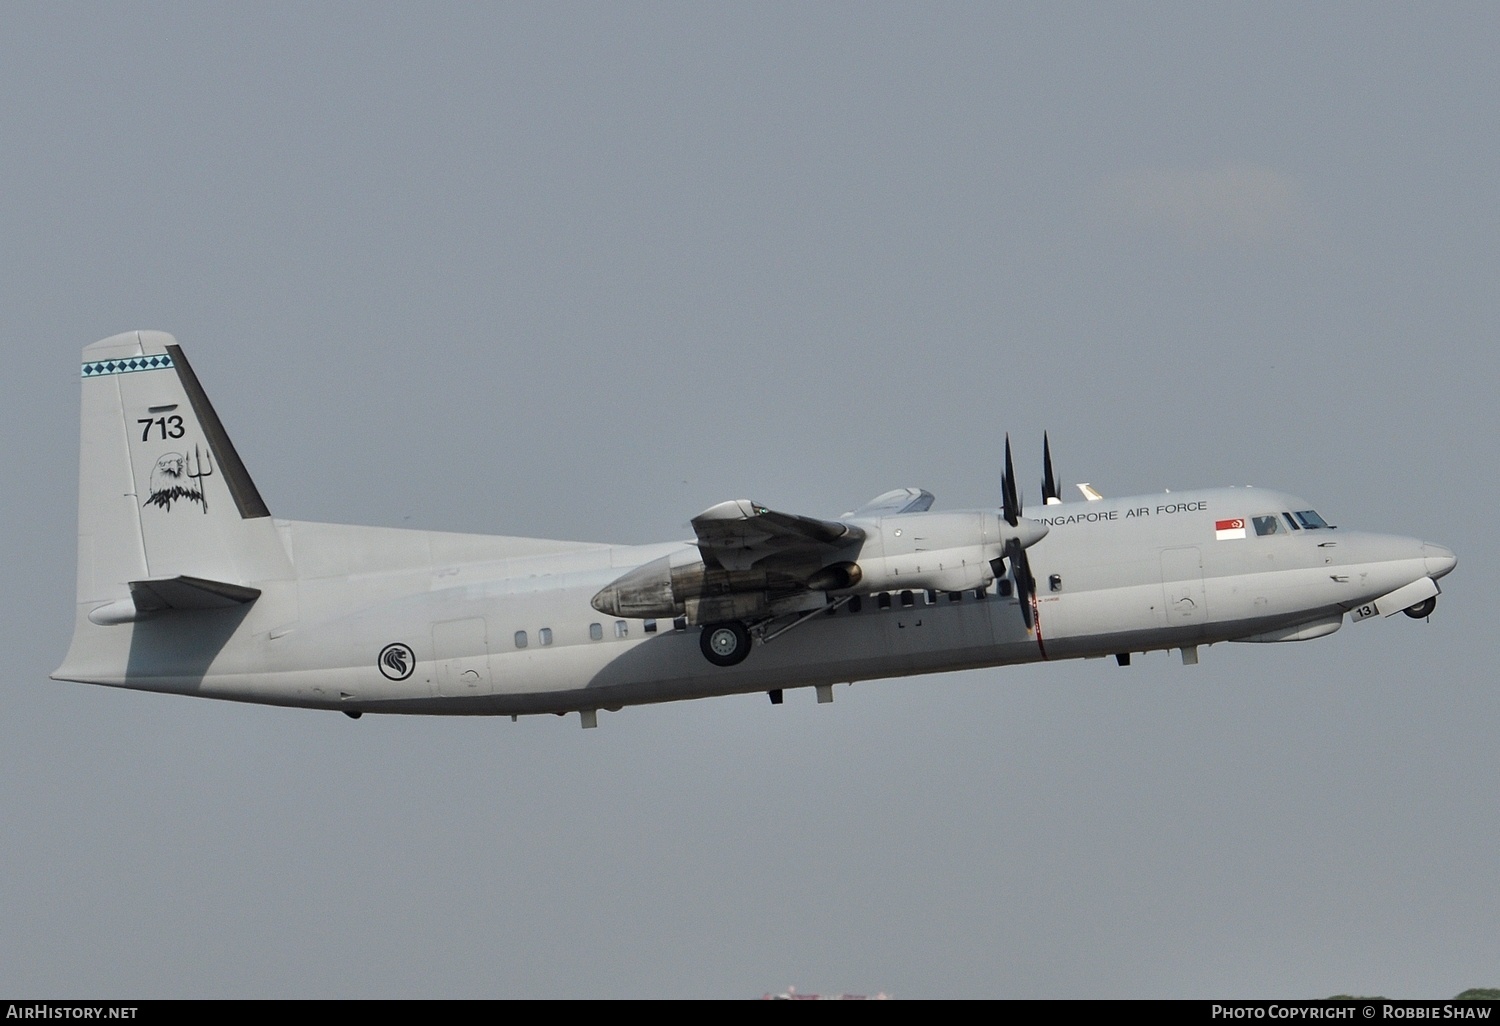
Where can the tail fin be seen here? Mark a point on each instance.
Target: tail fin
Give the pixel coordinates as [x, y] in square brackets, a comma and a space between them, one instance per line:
[162, 494]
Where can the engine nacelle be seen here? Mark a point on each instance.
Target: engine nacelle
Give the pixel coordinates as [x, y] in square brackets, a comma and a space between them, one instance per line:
[838, 577]
[647, 591]
[945, 570]
[681, 585]
[953, 551]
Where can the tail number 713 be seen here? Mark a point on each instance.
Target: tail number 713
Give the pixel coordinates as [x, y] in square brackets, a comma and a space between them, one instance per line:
[170, 427]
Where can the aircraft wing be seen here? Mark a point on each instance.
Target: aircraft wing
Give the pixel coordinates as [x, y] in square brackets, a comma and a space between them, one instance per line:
[741, 535]
[898, 500]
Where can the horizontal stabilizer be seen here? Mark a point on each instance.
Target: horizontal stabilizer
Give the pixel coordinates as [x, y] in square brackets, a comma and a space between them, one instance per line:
[189, 593]
[151, 597]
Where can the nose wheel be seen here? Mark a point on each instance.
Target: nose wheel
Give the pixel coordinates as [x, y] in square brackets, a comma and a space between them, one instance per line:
[726, 643]
[1422, 609]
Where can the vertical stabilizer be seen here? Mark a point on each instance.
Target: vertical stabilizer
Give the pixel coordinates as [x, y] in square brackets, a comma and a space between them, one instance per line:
[161, 491]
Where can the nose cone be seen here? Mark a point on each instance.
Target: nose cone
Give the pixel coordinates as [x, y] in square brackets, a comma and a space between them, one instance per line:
[1439, 560]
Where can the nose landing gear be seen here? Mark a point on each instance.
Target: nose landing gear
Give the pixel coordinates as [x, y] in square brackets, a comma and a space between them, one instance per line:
[1422, 609]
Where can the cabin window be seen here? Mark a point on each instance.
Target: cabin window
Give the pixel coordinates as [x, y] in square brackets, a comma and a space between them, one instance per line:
[545, 635]
[520, 639]
[980, 593]
[884, 600]
[1266, 525]
[854, 604]
[650, 626]
[908, 600]
[621, 628]
[596, 631]
[955, 596]
[1002, 587]
[679, 623]
[1055, 582]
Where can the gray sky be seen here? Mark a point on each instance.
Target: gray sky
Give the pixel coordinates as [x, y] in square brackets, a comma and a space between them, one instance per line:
[585, 270]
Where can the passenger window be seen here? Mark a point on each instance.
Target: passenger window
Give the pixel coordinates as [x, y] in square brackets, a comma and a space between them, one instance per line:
[621, 628]
[980, 593]
[854, 604]
[650, 626]
[955, 596]
[1002, 587]
[520, 639]
[908, 600]
[596, 631]
[679, 623]
[545, 635]
[884, 600]
[1266, 525]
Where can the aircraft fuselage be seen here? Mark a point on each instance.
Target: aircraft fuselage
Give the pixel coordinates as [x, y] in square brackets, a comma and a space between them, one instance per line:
[517, 634]
[187, 584]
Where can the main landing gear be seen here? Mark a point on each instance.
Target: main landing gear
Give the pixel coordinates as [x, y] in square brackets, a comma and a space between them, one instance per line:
[725, 643]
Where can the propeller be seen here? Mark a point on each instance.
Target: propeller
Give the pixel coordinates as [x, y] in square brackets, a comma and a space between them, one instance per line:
[1010, 501]
[1050, 494]
[1014, 551]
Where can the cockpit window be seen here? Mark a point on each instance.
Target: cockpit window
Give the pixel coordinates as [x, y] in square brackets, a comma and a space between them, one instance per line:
[1266, 525]
[1291, 523]
[1310, 520]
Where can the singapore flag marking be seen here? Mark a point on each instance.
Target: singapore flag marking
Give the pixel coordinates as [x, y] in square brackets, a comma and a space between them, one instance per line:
[1224, 530]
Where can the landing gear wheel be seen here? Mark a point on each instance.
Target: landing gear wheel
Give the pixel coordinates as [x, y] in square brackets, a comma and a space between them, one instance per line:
[1422, 609]
[726, 643]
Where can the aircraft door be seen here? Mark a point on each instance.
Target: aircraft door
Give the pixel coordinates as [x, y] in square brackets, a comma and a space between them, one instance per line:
[461, 650]
[1182, 586]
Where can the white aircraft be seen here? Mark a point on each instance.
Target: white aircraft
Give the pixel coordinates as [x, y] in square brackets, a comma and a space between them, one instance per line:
[188, 585]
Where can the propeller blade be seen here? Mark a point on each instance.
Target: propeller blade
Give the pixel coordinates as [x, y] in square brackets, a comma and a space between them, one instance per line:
[1025, 584]
[1011, 501]
[1050, 493]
